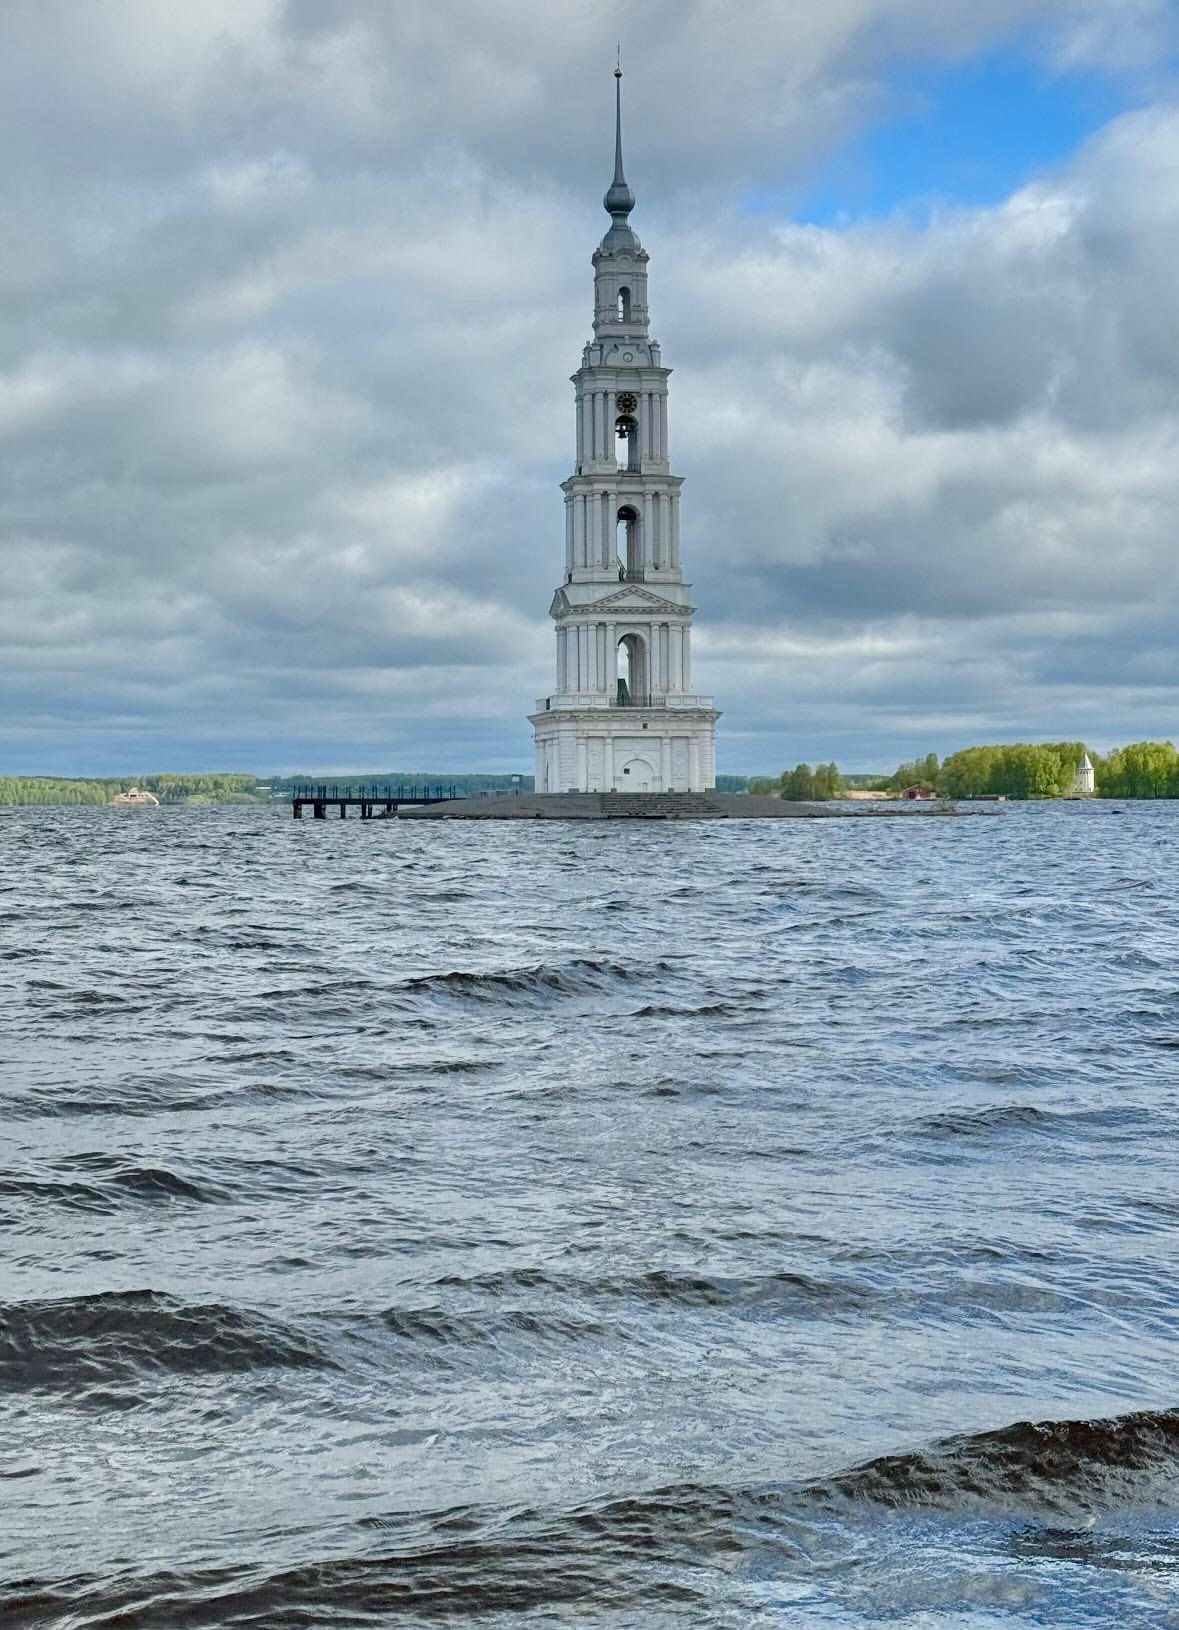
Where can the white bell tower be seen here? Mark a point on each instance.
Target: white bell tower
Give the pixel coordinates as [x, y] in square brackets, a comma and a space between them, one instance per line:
[623, 717]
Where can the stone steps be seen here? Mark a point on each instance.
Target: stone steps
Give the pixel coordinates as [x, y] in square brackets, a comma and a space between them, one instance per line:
[657, 805]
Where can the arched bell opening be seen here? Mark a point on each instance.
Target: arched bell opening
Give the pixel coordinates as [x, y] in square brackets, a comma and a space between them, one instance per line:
[626, 428]
[624, 305]
[629, 544]
[634, 674]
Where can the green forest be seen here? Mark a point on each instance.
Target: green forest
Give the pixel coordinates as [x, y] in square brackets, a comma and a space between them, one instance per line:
[1144, 769]
[169, 789]
[1018, 770]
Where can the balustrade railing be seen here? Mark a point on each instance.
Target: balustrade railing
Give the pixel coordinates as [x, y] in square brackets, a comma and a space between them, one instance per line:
[377, 792]
[595, 699]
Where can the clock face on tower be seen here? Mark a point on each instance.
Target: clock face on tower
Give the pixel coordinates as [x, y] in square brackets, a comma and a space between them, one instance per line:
[627, 402]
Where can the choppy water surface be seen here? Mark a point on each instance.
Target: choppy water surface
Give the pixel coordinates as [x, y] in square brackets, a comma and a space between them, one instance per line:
[626, 1224]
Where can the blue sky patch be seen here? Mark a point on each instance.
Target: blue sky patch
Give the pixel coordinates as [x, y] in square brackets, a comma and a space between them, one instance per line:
[966, 135]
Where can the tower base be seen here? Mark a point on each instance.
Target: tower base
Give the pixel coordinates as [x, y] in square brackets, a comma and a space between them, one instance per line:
[629, 749]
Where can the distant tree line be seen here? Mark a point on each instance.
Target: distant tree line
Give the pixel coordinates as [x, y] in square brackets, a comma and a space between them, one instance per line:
[36, 789]
[169, 789]
[802, 784]
[1017, 770]
[1022, 770]
[1145, 769]
[251, 789]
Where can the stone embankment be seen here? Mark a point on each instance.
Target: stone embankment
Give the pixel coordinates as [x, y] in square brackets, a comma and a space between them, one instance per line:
[649, 806]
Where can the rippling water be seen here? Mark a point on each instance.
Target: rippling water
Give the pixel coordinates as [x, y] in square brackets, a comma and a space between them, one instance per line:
[606, 1225]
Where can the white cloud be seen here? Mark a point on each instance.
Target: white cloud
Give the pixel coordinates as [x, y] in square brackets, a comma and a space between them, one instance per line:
[289, 302]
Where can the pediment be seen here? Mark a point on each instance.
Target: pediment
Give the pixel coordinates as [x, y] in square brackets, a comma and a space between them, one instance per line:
[633, 598]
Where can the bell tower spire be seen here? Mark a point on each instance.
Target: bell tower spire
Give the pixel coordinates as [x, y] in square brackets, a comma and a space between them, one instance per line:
[619, 200]
[623, 717]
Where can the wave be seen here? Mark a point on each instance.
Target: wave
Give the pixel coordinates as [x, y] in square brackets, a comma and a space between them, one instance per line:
[581, 976]
[459, 1572]
[461, 1333]
[1057, 1465]
[712, 1010]
[121, 1336]
[143, 1098]
[653, 1554]
[663, 1285]
[107, 1187]
[972, 1123]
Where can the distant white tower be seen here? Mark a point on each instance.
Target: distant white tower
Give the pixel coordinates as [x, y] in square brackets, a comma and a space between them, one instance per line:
[1086, 783]
[622, 717]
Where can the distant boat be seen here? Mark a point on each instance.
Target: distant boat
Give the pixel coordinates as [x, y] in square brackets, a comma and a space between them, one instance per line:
[136, 797]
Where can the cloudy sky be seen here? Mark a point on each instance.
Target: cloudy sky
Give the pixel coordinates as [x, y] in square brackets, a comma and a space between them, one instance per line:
[290, 294]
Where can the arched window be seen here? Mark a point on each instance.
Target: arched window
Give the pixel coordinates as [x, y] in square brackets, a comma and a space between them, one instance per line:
[630, 554]
[624, 305]
[633, 683]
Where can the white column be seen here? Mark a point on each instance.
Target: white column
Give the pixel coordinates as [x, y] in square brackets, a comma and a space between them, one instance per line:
[675, 529]
[603, 664]
[687, 639]
[580, 428]
[608, 548]
[560, 659]
[648, 537]
[569, 503]
[663, 451]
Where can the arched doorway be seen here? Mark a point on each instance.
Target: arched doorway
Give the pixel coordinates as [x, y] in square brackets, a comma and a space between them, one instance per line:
[639, 775]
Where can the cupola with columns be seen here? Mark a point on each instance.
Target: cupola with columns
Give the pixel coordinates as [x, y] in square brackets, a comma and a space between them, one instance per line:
[623, 716]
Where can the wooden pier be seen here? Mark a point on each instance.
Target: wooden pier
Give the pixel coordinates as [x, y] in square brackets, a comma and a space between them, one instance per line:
[374, 802]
